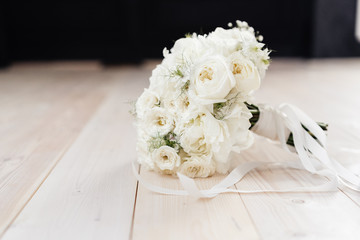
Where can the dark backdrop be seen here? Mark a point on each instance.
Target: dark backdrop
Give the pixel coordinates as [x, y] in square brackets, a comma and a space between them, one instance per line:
[129, 31]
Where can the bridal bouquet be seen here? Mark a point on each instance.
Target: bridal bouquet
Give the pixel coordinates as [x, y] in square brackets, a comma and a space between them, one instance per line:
[195, 111]
[198, 109]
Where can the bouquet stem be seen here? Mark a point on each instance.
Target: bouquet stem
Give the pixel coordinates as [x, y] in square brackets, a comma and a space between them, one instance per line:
[255, 111]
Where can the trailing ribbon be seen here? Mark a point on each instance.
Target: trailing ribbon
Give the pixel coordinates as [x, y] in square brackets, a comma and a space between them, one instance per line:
[310, 149]
[276, 124]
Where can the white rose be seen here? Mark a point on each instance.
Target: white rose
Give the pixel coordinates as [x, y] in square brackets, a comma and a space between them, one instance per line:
[221, 33]
[198, 166]
[169, 104]
[182, 103]
[240, 35]
[241, 137]
[238, 125]
[247, 37]
[211, 80]
[177, 105]
[226, 41]
[146, 101]
[245, 72]
[235, 126]
[223, 148]
[159, 80]
[165, 159]
[158, 121]
[201, 133]
[194, 141]
[186, 50]
[238, 139]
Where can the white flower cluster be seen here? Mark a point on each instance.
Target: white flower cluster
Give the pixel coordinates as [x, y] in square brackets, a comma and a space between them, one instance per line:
[193, 115]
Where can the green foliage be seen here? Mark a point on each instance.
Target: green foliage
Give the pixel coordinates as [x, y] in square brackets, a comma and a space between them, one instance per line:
[185, 87]
[255, 111]
[177, 72]
[169, 139]
[220, 110]
[218, 106]
[132, 111]
[266, 61]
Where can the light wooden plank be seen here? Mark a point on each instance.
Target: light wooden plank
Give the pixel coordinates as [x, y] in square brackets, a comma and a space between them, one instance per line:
[40, 116]
[344, 146]
[180, 217]
[295, 215]
[91, 192]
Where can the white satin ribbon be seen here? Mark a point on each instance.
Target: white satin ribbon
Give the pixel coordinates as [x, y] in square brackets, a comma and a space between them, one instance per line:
[276, 124]
[234, 177]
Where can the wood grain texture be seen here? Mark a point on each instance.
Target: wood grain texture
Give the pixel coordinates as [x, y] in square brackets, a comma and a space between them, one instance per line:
[181, 217]
[39, 120]
[91, 192]
[295, 215]
[68, 143]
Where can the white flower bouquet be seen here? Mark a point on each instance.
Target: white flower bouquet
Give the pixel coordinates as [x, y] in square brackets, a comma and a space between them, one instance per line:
[198, 110]
[194, 113]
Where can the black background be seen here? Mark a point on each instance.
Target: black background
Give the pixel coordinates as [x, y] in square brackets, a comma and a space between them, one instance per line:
[129, 31]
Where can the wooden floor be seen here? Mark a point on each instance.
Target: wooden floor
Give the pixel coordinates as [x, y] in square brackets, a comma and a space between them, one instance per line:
[67, 143]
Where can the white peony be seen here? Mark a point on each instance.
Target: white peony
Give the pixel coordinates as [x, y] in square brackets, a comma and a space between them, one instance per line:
[146, 101]
[165, 159]
[211, 80]
[198, 166]
[158, 122]
[245, 72]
